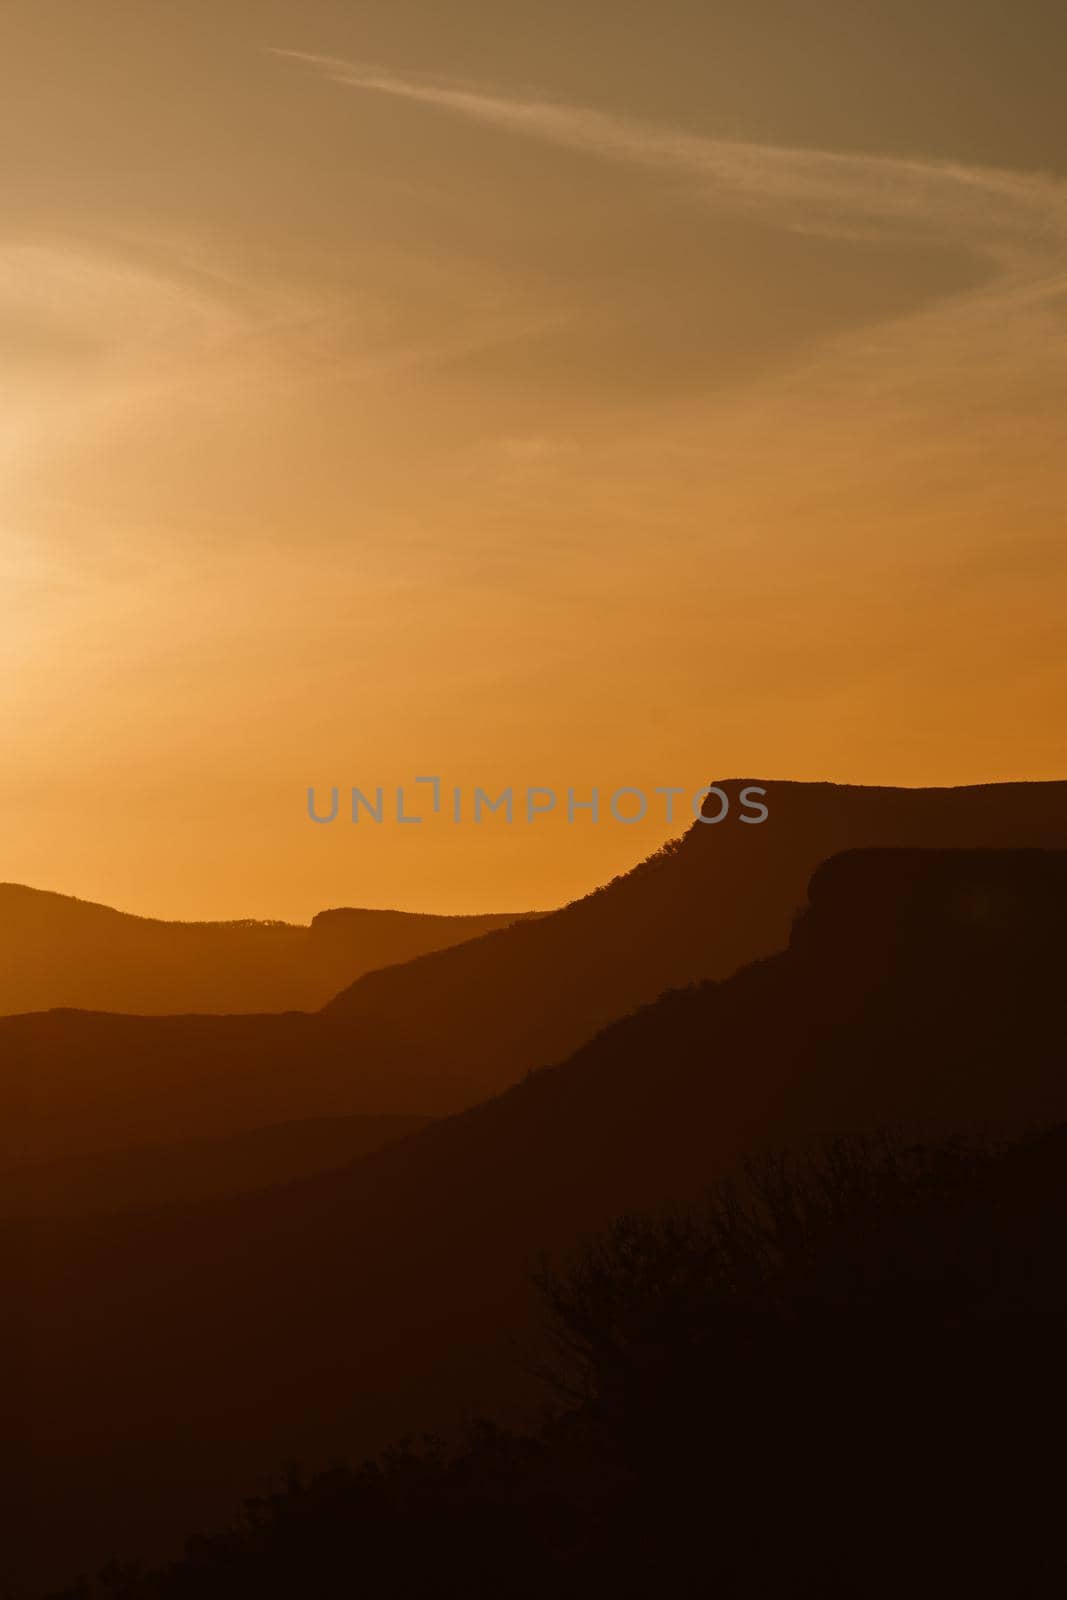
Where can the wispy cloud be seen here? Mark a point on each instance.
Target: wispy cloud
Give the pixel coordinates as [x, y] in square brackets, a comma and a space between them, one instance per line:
[1018, 221]
[971, 378]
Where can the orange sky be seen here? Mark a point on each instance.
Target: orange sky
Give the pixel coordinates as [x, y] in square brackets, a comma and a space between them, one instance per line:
[533, 395]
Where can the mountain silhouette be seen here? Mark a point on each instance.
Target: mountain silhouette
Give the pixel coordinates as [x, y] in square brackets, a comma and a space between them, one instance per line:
[196, 1169]
[919, 989]
[56, 951]
[451, 1028]
[721, 896]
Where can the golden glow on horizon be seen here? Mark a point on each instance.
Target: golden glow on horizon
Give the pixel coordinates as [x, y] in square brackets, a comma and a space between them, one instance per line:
[677, 419]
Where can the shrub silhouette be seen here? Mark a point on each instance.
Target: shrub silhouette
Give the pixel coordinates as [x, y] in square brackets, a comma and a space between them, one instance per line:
[836, 1379]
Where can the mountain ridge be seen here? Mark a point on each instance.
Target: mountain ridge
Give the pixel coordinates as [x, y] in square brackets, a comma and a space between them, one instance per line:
[450, 1028]
[392, 1294]
[61, 952]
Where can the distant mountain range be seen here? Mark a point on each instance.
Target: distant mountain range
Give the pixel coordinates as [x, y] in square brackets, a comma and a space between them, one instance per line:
[164, 1358]
[448, 1029]
[56, 951]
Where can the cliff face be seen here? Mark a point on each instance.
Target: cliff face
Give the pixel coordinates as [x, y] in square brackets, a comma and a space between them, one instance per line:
[931, 901]
[723, 895]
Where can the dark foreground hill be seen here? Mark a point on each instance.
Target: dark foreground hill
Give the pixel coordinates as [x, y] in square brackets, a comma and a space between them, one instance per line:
[844, 1379]
[449, 1029]
[56, 951]
[164, 1360]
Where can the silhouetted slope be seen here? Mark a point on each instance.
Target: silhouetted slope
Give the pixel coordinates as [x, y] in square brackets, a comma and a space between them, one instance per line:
[367, 939]
[56, 951]
[449, 1029]
[922, 988]
[723, 895]
[196, 1169]
[77, 1082]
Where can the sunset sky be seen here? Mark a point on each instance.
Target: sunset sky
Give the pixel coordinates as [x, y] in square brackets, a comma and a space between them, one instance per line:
[563, 394]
